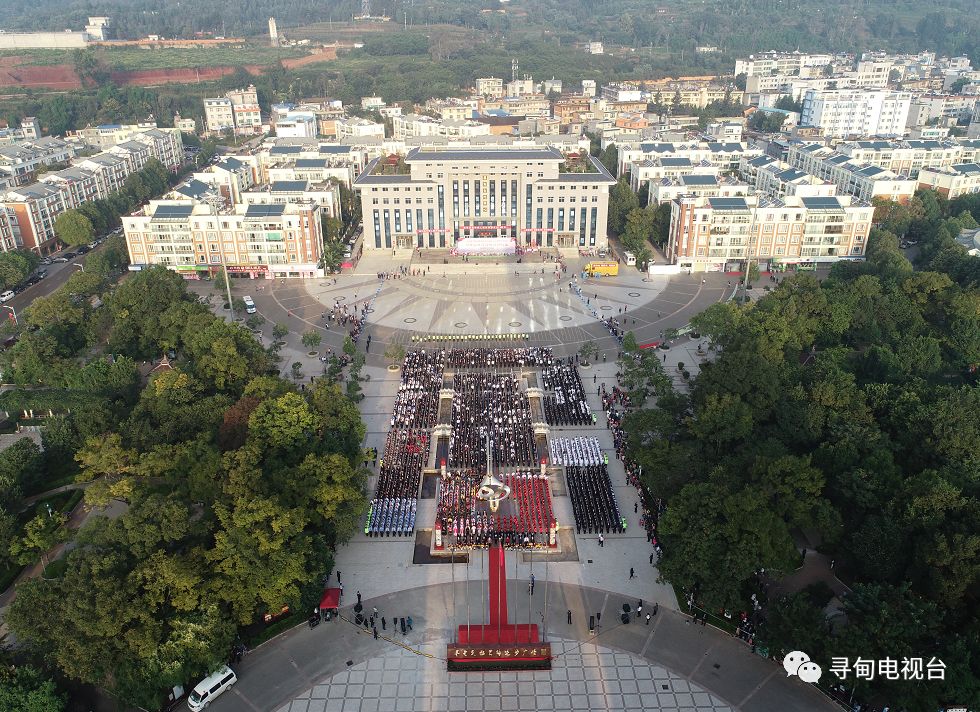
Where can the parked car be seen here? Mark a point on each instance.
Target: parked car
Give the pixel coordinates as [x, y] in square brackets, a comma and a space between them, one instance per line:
[83, 249]
[46, 261]
[6, 296]
[42, 273]
[59, 258]
[211, 687]
[69, 255]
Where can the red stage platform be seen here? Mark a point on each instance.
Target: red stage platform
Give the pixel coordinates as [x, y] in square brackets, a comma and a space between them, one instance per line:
[499, 644]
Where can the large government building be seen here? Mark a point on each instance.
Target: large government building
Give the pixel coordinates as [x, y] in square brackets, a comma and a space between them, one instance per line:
[490, 198]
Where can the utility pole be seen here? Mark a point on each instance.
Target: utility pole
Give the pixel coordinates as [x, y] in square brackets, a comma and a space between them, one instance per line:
[214, 201]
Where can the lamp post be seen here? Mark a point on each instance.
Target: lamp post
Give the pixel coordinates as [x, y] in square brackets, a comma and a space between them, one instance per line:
[214, 200]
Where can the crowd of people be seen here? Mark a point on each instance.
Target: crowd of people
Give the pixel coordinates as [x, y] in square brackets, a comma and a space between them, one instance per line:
[593, 500]
[485, 404]
[499, 358]
[614, 404]
[524, 518]
[394, 504]
[417, 400]
[576, 451]
[568, 406]
[391, 516]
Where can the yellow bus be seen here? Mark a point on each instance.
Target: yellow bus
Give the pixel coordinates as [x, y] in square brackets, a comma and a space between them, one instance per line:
[609, 268]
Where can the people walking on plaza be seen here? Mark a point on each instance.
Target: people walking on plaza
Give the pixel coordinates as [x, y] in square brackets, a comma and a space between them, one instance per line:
[384, 623]
[651, 558]
[602, 540]
[338, 576]
[358, 597]
[408, 622]
[632, 573]
[375, 633]
[648, 619]
[656, 607]
[636, 507]
[569, 616]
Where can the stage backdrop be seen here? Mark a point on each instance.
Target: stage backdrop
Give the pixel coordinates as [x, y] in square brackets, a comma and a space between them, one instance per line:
[486, 246]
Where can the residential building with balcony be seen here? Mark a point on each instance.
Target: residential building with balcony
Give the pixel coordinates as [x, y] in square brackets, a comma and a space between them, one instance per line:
[952, 182]
[724, 234]
[255, 241]
[726, 156]
[840, 113]
[695, 186]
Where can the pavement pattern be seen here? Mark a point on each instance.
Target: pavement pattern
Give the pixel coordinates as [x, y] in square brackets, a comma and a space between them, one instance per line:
[584, 677]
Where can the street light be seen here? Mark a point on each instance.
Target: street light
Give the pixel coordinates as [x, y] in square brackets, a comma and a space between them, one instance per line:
[214, 200]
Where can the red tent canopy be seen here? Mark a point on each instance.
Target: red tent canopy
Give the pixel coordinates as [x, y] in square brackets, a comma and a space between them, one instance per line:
[331, 599]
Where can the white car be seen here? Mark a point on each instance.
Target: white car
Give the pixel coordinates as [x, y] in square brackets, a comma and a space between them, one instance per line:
[6, 296]
[249, 305]
[211, 687]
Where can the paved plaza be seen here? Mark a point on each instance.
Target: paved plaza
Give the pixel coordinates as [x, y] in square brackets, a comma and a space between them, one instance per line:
[585, 677]
[669, 664]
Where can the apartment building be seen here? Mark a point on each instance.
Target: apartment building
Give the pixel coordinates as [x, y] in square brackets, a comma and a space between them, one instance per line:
[30, 130]
[909, 157]
[492, 87]
[527, 105]
[784, 63]
[255, 241]
[667, 168]
[926, 108]
[776, 179]
[726, 156]
[952, 182]
[282, 192]
[454, 109]
[19, 161]
[840, 113]
[706, 185]
[618, 91]
[853, 176]
[415, 125]
[355, 127]
[33, 208]
[9, 238]
[724, 234]
[436, 196]
[236, 111]
[107, 135]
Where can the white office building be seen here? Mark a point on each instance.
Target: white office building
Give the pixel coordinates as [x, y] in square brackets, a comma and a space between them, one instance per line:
[493, 198]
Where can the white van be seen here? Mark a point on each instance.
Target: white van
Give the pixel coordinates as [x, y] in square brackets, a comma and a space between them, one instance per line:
[210, 687]
[249, 305]
[629, 258]
[6, 296]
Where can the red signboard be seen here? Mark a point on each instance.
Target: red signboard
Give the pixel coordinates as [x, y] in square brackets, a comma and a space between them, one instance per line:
[536, 656]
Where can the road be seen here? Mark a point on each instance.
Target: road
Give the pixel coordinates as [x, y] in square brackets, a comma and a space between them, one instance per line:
[58, 274]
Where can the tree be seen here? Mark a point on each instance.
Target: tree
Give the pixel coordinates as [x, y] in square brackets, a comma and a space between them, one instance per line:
[40, 534]
[610, 159]
[622, 200]
[279, 332]
[26, 689]
[260, 555]
[283, 423]
[588, 351]
[311, 339]
[296, 370]
[255, 322]
[349, 347]
[73, 228]
[109, 466]
[395, 353]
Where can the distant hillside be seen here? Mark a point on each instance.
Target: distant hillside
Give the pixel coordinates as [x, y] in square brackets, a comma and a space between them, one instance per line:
[734, 26]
